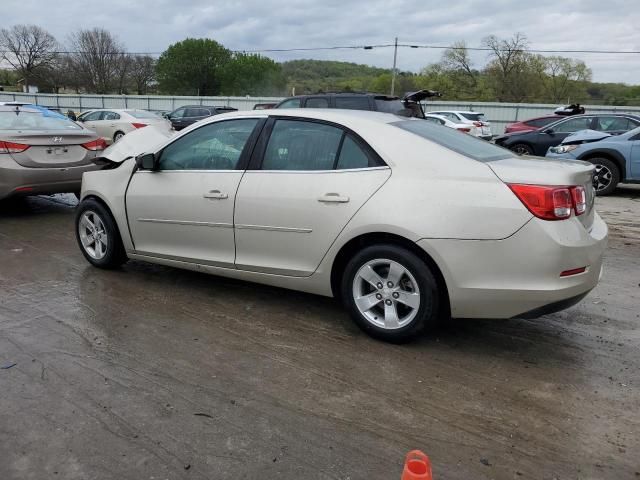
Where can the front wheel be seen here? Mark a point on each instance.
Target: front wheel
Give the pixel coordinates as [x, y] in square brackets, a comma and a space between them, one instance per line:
[390, 293]
[606, 176]
[98, 235]
[521, 149]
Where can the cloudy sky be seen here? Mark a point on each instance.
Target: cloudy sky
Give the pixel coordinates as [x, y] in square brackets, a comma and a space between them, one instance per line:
[151, 25]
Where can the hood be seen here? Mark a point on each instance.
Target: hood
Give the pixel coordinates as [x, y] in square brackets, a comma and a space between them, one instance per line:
[137, 142]
[585, 136]
[420, 95]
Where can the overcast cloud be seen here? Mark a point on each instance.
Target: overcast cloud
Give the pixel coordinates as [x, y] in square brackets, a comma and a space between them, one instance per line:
[151, 25]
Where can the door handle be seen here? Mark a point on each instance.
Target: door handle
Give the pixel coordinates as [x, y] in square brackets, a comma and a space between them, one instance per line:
[333, 198]
[215, 194]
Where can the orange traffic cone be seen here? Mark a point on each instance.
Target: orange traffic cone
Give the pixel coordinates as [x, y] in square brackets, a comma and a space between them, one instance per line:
[417, 466]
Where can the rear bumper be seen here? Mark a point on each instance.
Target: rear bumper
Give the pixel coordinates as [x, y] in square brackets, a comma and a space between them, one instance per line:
[18, 180]
[520, 275]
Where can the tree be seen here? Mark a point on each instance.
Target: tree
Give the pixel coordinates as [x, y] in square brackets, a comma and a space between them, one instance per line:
[508, 67]
[565, 78]
[28, 49]
[192, 66]
[250, 74]
[98, 57]
[456, 61]
[142, 72]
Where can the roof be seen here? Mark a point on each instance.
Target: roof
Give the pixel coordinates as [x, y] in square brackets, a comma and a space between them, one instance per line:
[328, 114]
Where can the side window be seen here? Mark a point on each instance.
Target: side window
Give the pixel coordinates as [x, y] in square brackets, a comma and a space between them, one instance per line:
[193, 112]
[434, 120]
[353, 103]
[216, 146]
[291, 103]
[351, 155]
[301, 145]
[93, 116]
[317, 102]
[110, 116]
[178, 113]
[573, 125]
[203, 112]
[612, 124]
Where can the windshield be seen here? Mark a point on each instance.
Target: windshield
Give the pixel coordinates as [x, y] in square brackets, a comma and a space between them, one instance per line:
[474, 117]
[141, 114]
[459, 142]
[29, 120]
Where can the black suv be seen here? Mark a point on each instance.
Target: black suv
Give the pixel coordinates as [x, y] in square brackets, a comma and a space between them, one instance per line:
[408, 106]
[186, 115]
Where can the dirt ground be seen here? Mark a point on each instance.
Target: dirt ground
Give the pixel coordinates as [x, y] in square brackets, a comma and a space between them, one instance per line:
[150, 372]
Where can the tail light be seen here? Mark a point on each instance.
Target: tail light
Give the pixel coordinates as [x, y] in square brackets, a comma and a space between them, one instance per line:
[138, 125]
[551, 202]
[462, 129]
[12, 147]
[95, 145]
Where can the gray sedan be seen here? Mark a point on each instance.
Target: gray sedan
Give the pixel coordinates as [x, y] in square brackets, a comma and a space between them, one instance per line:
[42, 152]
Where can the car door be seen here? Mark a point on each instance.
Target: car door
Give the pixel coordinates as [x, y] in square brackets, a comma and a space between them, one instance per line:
[634, 161]
[177, 118]
[556, 133]
[615, 125]
[92, 120]
[306, 180]
[184, 209]
[107, 126]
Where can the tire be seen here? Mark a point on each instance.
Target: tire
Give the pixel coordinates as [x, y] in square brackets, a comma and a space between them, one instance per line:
[606, 177]
[521, 149]
[92, 217]
[375, 302]
[117, 136]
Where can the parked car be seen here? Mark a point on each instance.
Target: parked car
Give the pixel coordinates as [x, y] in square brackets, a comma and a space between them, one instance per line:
[532, 124]
[616, 157]
[403, 220]
[408, 106]
[537, 142]
[42, 152]
[476, 119]
[184, 116]
[51, 110]
[113, 124]
[463, 127]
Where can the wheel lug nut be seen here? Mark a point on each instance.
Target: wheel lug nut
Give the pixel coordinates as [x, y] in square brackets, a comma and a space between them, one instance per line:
[395, 294]
[388, 302]
[378, 296]
[390, 284]
[380, 286]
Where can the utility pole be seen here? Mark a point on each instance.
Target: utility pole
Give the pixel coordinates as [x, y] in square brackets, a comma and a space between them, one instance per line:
[393, 73]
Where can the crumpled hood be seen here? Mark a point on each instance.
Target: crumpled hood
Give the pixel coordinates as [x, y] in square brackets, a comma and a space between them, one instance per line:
[585, 136]
[137, 142]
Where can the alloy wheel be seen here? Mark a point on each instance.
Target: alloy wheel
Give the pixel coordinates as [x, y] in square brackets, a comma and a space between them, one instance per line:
[386, 294]
[93, 235]
[602, 177]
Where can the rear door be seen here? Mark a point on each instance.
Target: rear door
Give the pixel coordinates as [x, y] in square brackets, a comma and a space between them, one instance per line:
[614, 125]
[307, 179]
[184, 210]
[634, 161]
[107, 125]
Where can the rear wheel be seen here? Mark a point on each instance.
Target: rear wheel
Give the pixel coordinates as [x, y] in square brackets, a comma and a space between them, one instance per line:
[390, 293]
[521, 149]
[117, 136]
[606, 176]
[98, 235]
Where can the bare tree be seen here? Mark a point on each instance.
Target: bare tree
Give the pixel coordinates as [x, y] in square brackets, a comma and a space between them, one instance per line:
[28, 49]
[98, 55]
[509, 65]
[143, 72]
[123, 71]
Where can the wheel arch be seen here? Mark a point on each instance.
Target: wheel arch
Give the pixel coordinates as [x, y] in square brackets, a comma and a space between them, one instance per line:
[105, 204]
[609, 154]
[378, 238]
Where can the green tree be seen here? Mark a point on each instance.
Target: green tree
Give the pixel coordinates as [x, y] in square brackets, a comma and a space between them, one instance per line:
[250, 74]
[192, 66]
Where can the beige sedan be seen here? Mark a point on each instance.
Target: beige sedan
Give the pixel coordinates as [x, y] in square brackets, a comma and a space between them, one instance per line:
[405, 221]
[114, 124]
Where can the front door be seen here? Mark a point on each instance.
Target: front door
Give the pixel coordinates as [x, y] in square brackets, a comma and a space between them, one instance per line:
[634, 161]
[184, 210]
[309, 178]
[553, 137]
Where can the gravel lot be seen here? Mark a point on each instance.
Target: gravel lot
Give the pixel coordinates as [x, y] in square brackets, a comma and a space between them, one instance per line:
[150, 372]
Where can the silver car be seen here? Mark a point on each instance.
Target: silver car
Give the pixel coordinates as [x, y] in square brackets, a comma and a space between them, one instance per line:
[403, 220]
[43, 152]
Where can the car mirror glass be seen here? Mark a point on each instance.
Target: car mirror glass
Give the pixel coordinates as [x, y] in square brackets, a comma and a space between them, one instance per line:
[146, 161]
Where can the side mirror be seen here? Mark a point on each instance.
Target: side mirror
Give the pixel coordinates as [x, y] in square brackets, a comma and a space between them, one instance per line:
[548, 131]
[79, 119]
[146, 161]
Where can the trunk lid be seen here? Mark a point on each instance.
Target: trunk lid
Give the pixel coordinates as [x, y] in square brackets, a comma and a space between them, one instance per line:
[49, 149]
[547, 171]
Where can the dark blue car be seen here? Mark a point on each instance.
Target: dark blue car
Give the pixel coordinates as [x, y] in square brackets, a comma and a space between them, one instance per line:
[616, 157]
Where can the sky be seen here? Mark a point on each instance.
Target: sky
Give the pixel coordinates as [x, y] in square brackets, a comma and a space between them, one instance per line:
[152, 25]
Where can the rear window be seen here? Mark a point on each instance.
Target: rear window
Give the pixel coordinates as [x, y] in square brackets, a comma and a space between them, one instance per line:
[474, 117]
[35, 121]
[141, 114]
[459, 142]
[353, 103]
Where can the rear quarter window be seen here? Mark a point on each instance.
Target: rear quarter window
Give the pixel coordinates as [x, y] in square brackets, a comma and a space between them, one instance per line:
[456, 141]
